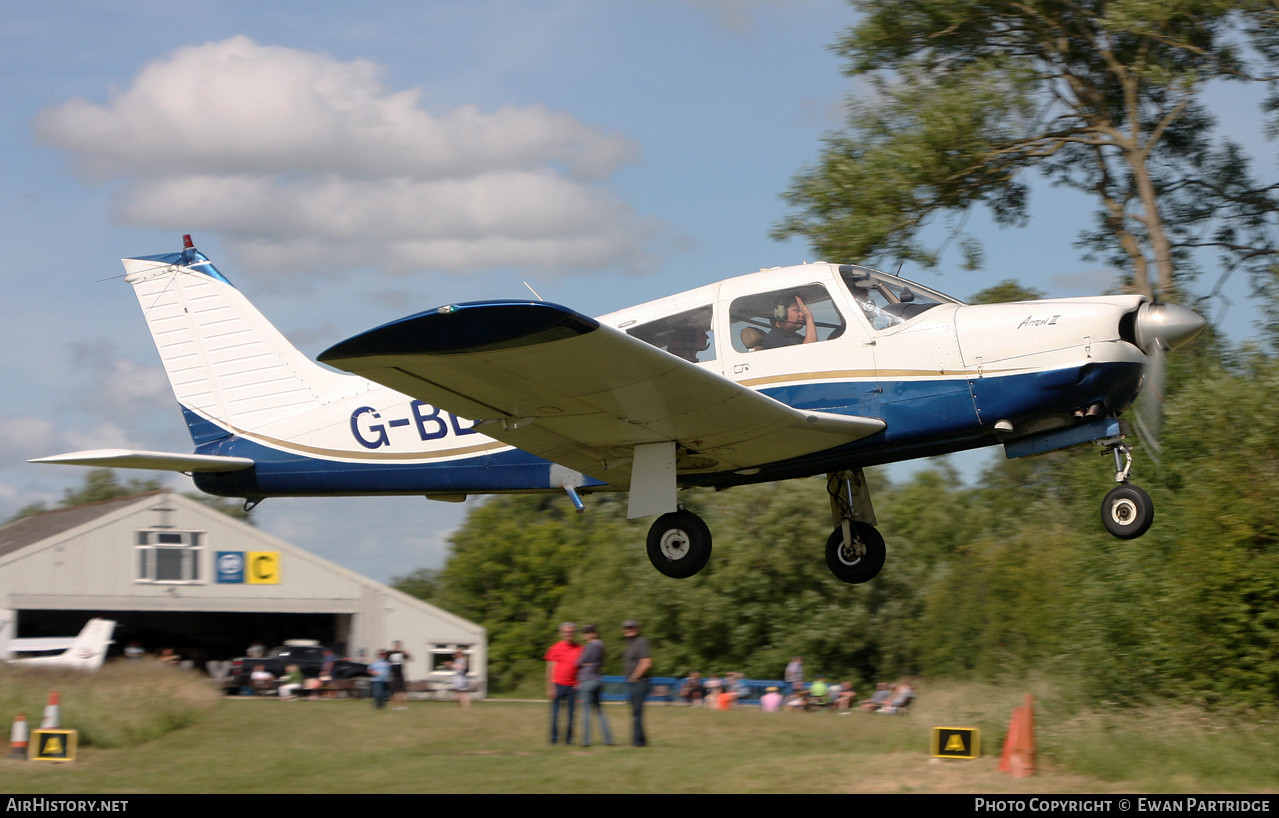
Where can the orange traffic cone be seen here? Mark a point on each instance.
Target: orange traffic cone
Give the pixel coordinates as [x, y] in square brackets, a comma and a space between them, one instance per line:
[52, 714]
[18, 737]
[1019, 748]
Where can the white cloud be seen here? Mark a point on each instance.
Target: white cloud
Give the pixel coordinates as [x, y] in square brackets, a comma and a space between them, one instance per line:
[298, 159]
[116, 387]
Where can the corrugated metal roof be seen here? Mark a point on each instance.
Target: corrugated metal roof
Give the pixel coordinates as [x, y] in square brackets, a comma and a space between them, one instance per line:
[29, 530]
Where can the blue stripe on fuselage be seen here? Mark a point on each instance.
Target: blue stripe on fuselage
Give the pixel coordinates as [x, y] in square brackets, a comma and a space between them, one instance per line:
[282, 473]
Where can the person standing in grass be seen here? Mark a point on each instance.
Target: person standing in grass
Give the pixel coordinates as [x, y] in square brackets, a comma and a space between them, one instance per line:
[461, 687]
[590, 683]
[380, 670]
[399, 690]
[637, 663]
[561, 678]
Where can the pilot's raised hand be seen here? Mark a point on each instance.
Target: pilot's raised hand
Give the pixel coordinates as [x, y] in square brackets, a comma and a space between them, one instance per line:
[810, 327]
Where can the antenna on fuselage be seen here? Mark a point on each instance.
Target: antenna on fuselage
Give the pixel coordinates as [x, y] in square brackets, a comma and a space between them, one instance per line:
[533, 291]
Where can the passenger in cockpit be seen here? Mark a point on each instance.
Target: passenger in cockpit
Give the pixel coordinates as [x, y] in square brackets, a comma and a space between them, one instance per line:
[688, 340]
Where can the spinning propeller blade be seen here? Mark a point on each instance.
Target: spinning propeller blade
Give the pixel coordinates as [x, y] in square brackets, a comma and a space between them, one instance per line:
[1160, 327]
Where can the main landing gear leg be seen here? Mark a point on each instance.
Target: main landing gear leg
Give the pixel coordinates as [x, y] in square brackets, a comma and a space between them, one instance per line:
[1127, 511]
[855, 550]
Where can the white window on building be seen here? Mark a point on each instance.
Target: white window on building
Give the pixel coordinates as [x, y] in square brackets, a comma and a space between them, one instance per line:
[442, 657]
[169, 556]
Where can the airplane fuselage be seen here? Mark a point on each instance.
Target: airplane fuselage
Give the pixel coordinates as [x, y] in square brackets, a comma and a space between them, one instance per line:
[940, 378]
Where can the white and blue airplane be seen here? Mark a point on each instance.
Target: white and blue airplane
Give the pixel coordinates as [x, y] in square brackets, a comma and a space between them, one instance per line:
[788, 372]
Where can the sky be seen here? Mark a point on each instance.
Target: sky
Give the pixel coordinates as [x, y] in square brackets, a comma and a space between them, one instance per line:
[347, 166]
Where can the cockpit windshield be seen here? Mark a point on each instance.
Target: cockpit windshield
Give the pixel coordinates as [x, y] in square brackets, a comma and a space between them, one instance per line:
[887, 300]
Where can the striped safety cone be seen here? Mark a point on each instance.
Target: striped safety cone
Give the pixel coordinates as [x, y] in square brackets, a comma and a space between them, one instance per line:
[52, 714]
[18, 737]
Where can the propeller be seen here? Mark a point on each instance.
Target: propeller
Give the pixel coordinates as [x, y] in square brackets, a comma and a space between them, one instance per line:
[1160, 327]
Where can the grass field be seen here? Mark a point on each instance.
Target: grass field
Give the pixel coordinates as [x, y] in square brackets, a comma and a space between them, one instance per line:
[269, 746]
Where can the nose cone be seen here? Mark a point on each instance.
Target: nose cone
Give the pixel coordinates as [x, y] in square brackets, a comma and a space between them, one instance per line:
[1167, 326]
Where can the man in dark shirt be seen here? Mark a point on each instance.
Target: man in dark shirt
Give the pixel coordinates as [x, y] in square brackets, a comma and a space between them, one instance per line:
[636, 663]
[789, 317]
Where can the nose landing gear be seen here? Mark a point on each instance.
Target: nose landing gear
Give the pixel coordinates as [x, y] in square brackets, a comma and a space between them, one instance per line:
[1127, 511]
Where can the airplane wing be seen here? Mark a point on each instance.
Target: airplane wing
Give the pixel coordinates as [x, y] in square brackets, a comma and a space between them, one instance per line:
[564, 387]
[160, 461]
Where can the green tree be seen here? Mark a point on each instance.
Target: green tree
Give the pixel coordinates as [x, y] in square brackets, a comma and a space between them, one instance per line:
[968, 97]
[1006, 291]
[103, 484]
[423, 583]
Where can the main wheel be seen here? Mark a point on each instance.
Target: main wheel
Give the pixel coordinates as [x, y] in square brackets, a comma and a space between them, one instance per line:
[1127, 512]
[679, 544]
[858, 561]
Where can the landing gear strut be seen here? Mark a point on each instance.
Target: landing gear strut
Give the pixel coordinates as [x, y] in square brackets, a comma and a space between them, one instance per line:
[855, 550]
[1127, 511]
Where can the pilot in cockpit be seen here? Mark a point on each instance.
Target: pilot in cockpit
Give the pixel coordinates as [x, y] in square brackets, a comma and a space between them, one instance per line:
[790, 315]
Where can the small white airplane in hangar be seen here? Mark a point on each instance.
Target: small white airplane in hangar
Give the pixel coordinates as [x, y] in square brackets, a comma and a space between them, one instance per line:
[83, 652]
[789, 372]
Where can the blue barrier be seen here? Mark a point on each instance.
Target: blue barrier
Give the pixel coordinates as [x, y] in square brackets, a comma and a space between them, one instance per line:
[666, 689]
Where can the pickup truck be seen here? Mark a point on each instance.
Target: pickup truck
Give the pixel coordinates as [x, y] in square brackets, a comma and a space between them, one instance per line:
[307, 654]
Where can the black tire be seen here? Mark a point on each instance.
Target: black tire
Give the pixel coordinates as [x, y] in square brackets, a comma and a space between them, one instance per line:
[859, 562]
[1127, 512]
[679, 544]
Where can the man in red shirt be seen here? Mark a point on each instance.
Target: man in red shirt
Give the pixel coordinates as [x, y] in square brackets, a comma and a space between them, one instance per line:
[561, 678]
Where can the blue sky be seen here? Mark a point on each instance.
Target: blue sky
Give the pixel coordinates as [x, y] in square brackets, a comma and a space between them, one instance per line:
[345, 166]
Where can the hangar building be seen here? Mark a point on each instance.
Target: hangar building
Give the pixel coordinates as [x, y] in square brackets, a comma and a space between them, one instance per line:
[177, 574]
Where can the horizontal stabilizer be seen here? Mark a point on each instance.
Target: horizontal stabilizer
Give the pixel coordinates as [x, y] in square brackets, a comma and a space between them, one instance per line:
[160, 461]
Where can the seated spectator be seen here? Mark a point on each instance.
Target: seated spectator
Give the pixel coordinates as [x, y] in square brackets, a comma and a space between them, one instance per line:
[741, 690]
[261, 680]
[771, 701]
[902, 696]
[730, 691]
[713, 685]
[881, 696]
[290, 682]
[798, 699]
[845, 698]
[691, 691]
[817, 693]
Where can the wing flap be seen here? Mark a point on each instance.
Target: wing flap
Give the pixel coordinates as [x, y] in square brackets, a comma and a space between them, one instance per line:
[560, 385]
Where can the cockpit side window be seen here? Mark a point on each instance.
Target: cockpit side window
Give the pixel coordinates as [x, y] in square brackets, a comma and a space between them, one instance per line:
[886, 301]
[686, 335]
[763, 320]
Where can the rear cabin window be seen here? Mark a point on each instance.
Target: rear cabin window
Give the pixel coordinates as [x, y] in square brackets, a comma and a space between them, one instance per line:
[685, 335]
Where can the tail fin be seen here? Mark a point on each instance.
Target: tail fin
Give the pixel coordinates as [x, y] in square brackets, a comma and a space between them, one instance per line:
[86, 652]
[227, 364]
[90, 647]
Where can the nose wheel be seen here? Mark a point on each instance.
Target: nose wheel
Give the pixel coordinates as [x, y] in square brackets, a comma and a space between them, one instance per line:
[1127, 511]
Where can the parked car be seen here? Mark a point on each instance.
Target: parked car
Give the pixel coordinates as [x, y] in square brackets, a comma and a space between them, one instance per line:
[307, 654]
